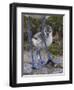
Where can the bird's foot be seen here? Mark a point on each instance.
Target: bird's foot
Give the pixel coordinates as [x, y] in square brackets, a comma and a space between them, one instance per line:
[50, 61]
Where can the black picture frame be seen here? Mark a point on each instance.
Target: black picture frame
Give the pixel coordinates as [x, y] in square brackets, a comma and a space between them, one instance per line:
[13, 43]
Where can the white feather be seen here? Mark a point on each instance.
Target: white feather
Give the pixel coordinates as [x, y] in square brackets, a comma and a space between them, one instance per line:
[38, 42]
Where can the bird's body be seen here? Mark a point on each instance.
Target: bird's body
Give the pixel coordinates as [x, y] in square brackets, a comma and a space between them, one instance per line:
[38, 40]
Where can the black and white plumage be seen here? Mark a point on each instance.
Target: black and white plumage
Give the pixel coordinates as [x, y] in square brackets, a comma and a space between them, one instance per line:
[38, 39]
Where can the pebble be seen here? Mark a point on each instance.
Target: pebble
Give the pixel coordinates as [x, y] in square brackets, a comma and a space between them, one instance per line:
[27, 68]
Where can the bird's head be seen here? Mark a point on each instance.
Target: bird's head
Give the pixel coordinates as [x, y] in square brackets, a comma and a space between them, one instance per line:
[48, 31]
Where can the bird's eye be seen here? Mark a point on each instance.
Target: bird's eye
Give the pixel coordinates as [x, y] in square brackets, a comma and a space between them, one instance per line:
[35, 38]
[47, 34]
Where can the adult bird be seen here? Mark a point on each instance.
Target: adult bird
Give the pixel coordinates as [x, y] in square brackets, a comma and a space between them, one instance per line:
[44, 40]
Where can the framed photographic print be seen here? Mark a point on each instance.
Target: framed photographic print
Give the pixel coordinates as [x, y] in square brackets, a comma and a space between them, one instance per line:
[40, 44]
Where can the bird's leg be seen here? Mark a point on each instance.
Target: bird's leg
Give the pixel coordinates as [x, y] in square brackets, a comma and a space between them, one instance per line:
[50, 59]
